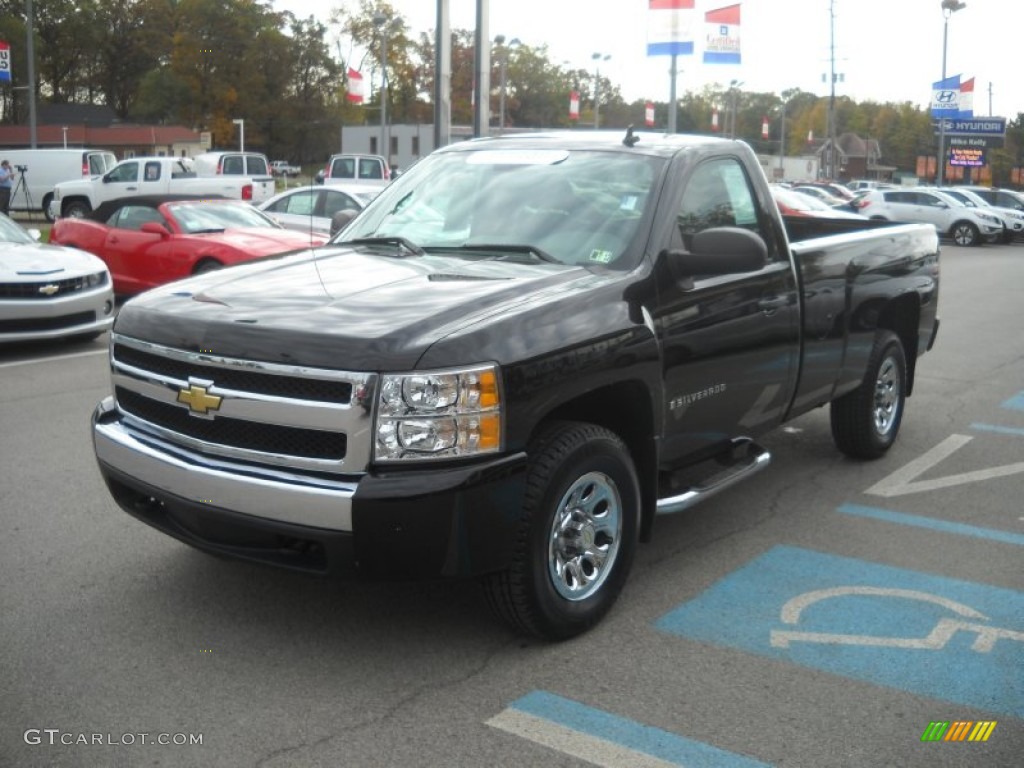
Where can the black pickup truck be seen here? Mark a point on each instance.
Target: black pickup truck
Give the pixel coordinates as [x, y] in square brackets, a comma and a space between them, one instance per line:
[510, 363]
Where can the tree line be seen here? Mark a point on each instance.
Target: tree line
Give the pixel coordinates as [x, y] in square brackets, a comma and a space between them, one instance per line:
[204, 63]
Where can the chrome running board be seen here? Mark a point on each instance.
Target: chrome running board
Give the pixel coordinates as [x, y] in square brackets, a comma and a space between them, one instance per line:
[748, 458]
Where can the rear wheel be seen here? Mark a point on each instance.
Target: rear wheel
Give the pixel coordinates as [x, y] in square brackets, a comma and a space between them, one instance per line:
[577, 535]
[865, 422]
[966, 234]
[206, 265]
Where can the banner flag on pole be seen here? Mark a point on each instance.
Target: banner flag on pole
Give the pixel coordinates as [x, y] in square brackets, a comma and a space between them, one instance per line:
[965, 109]
[574, 105]
[356, 87]
[722, 35]
[765, 127]
[649, 114]
[670, 27]
[5, 63]
[714, 119]
[946, 97]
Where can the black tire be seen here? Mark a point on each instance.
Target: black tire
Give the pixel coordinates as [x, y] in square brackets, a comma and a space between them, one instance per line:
[966, 234]
[206, 265]
[1007, 237]
[577, 535]
[76, 209]
[865, 422]
[47, 198]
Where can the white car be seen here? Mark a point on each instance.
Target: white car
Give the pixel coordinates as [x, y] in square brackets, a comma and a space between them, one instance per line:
[1012, 218]
[928, 205]
[50, 291]
[311, 209]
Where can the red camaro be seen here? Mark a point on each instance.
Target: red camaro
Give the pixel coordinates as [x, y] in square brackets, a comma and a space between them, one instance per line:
[149, 241]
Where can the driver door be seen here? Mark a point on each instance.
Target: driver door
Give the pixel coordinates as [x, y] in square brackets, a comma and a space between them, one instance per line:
[730, 343]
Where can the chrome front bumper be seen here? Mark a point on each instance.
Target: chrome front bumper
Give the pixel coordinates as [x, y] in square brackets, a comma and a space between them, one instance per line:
[270, 494]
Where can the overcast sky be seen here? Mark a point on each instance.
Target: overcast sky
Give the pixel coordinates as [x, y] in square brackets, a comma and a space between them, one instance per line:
[886, 50]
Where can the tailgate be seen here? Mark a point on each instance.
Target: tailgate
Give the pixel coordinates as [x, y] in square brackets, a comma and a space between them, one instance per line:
[263, 188]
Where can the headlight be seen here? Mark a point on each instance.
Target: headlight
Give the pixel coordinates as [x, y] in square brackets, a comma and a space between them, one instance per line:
[438, 414]
[990, 218]
[97, 278]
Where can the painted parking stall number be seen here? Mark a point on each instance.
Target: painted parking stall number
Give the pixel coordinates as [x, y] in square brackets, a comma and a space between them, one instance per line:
[925, 634]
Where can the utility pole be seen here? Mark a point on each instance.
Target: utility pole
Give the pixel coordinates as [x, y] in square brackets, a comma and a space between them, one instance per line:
[832, 95]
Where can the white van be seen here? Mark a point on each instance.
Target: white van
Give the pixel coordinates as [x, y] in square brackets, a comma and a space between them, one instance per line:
[40, 170]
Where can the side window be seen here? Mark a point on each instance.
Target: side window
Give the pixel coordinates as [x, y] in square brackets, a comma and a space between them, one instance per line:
[718, 194]
[300, 203]
[335, 201]
[152, 172]
[126, 172]
[232, 166]
[133, 217]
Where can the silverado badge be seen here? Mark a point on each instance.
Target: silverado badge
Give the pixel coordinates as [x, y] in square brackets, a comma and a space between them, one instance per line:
[198, 400]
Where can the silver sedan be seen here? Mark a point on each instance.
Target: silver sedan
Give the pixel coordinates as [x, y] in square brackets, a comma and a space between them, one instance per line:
[311, 209]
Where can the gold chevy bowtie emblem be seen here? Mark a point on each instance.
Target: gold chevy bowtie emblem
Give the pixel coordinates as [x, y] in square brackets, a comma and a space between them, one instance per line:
[198, 399]
[49, 290]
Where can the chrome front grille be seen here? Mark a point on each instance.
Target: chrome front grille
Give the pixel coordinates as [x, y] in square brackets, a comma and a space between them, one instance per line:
[265, 413]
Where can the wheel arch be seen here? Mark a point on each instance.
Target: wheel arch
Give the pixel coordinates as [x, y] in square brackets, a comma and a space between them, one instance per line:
[625, 408]
[902, 316]
[206, 262]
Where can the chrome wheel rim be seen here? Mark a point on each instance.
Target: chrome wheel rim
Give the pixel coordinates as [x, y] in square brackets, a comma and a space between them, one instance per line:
[888, 387]
[585, 536]
[964, 235]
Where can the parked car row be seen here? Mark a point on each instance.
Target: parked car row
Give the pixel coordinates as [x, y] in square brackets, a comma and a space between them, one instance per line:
[965, 225]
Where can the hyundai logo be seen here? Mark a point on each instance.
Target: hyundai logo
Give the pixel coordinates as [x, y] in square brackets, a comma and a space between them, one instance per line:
[945, 97]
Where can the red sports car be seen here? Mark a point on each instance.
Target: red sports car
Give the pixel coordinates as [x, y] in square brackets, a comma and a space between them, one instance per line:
[152, 240]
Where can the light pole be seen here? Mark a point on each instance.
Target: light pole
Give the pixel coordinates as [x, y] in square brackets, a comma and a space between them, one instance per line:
[733, 92]
[499, 40]
[598, 57]
[949, 7]
[241, 134]
[380, 21]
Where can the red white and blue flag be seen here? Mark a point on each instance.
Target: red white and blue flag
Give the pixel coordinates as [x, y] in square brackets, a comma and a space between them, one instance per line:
[953, 99]
[965, 109]
[722, 35]
[356, 87]
[670, 27]
[5, 62]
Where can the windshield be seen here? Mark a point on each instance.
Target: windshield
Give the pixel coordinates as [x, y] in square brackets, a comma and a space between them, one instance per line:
[12, 233]
[574, 206]
[209, 216]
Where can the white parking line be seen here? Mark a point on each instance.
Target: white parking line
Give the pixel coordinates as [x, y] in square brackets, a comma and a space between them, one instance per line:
[52, 359]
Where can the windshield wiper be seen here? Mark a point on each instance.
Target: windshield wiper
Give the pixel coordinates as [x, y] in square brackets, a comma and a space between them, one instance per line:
[401, 242]
[505, 249]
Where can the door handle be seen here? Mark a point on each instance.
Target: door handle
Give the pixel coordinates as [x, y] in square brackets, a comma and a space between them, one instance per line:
[131, 189]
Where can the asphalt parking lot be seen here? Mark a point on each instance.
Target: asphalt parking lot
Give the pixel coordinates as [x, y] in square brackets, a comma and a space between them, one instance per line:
[826, 613]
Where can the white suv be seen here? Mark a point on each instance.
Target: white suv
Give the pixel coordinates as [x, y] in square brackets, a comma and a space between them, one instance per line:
[1012, 218]
[926, 205]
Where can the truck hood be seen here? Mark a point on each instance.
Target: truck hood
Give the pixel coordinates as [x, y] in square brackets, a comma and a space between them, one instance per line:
[339, 307]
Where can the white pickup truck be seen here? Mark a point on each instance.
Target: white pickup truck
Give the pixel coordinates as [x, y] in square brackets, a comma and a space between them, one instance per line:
[147, 176]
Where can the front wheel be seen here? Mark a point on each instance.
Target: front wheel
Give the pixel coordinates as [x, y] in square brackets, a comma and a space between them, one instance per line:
[76, 209]
[577, 535]
[865, 422]
[966, 234]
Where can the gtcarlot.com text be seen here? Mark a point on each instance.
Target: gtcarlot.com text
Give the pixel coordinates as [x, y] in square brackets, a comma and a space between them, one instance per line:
[55, 736]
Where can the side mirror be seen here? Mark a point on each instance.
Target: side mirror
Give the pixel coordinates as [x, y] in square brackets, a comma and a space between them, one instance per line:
[341, 219]
[155, 228]
[721, 251]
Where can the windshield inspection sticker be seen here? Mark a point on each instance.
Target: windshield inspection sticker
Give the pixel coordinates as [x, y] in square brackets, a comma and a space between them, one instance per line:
[628, 202]
[602, 257]
[925, 634]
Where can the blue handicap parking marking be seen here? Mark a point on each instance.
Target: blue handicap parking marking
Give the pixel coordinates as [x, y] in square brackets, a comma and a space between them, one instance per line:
[1016, 402]
[925, 634]
[608, 740]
